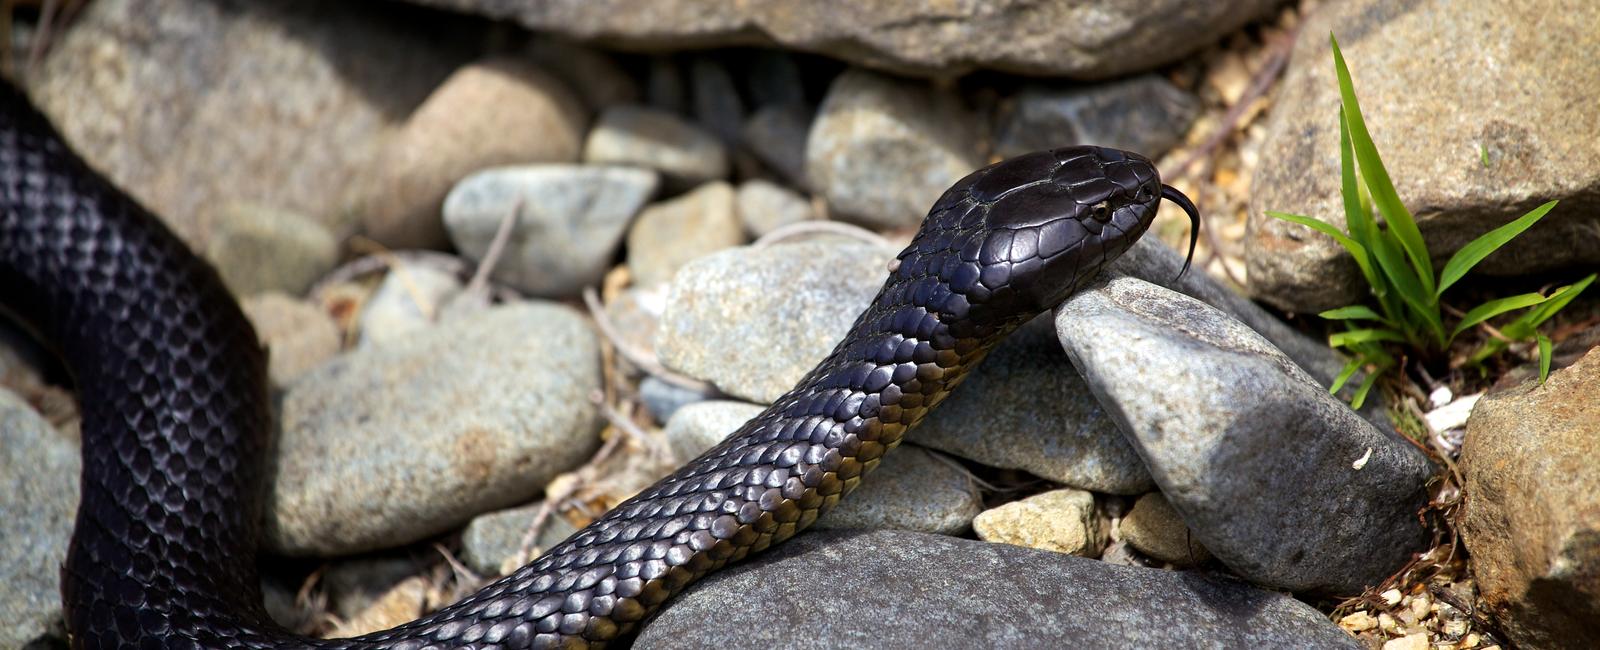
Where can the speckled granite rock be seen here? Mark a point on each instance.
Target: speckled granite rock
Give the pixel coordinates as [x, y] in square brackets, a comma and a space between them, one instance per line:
[257, 249]
[640, 136]
[39, 496]
[298, 336]
[1063, 521]
[671, 233]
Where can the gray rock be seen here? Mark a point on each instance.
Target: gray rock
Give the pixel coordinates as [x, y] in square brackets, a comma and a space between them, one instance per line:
[764, 206]
[882, 150]
[321, 86]
[491, 544]
[635, 314]
[1529, 517]
[969, 594]
[39, 494]
[669, 234]
[645, 137]
[1146, 114]
[913, 489]
[1063, 521]
[389, 444]
[298, 336]
[1156, 530]
[1052, 37]
[257, 249]
[1499, 80]
[570, 219]
[663, 399]
[410, 300]
[1247, 446]
[593, 74]
[726, 310]
[499, 111]
[1026, 408]
[777, 136]
[717, 106]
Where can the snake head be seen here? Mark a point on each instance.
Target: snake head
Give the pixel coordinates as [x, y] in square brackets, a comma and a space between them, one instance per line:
[1031, 230]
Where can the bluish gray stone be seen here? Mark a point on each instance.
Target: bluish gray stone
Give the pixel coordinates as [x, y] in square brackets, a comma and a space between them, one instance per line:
[39, 494]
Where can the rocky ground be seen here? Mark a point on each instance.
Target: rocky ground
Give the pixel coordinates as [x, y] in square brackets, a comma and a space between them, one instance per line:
[515, 260]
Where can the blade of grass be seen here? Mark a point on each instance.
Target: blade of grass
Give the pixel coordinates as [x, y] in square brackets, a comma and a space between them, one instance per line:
[1346, 373]
[1494, 308]
[1479, 248]
[1353, 312]
[1367, 335]
[1400, 221]
[1361, 393]
[1559, 299]
[1544, 358]
[1357, 251]
[1421, 301]
[1357, 217]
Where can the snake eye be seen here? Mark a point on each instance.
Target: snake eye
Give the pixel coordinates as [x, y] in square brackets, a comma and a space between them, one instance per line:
[1101, 212]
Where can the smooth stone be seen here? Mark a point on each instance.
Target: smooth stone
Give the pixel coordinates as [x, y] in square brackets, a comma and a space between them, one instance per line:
[298, 336]
[1157, 530]
[258, 249]
[410, 299]
[490, 544]
[390, 444]
[765, 206]
[663, 399]
[962, 593]
[883, 149]
[717, 106]
[498, 111]
[1060, 38]
[1247, 446]
[635, 314]
[1500, 80]
[594, 75]
[1146, 114]
[154, 94]
[39, 495]
[570, 220]
[1026, 408]
[913, 488]
[725, 310]
[777, 136]
[654, 139]
[671, 233]
[1530, 486]
[1063, 521]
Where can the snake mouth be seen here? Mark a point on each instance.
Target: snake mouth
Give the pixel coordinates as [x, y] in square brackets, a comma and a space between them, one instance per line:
[1172, 194]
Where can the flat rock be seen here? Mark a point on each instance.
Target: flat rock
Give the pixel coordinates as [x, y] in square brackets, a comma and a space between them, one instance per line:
[298, 336]
[944, 39]
[1497, 81]
[1146, 114]
[491, 543]
[663, 399]
[1530, 518]
[258, 249]
[1063, 521]
[389, 444]
[1156, 530]
[411, 298]
[498, 111]
[654, 139]
[154, 92]
[913, 489]
[671, 233]
[1248, 447]
[970, 594]
[39, 494]
[765, 206]
[777, 136]
[883, 149]
[570, 220]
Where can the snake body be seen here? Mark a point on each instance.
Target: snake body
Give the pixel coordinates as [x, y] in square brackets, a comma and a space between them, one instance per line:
[175, 416]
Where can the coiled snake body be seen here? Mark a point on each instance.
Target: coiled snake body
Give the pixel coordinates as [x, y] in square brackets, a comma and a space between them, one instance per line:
[175, 409]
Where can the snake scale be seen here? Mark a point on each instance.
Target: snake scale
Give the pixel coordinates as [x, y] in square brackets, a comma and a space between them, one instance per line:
[176, 419]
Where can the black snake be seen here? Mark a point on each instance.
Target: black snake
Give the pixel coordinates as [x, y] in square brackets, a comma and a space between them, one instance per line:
[175, 409]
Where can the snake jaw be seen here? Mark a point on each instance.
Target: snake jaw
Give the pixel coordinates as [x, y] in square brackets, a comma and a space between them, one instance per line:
[1172, 194]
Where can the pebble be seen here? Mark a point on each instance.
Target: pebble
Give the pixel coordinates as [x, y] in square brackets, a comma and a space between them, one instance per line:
[298, 335]
[499, 111]
[777, 136]
[1245, 444]
[717, 106]
[1530, 486]
[570, 221]
[1064, 521]
[1156, 530]
[39, 495]
[663, 399]
[390, 444]
[594, 75]
[671, 233]
[654, 139]
[883, 149]
[969, 594]
[258, 249]
[491, 543]
[410, 299]
[765, 206]
[1145, 113]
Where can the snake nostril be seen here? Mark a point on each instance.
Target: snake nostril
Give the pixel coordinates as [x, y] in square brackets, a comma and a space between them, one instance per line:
[1101, 211]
